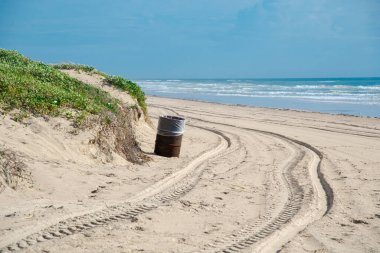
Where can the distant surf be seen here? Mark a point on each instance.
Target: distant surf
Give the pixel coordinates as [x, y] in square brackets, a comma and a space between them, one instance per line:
[356, 96]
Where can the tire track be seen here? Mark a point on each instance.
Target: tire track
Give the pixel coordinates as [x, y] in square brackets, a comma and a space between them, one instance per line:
[168, 189]
[255, 233]
[326, 187]
[270, 222]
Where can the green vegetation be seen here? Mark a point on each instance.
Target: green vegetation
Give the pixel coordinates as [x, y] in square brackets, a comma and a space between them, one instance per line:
[119, 82]
[77, 67]
[40, 89]
[132, 88]
[35, 88]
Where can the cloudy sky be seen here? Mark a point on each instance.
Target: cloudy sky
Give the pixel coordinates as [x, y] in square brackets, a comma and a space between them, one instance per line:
[199, 38]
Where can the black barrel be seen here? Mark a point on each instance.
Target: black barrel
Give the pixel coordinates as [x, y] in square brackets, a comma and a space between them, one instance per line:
[169, 136]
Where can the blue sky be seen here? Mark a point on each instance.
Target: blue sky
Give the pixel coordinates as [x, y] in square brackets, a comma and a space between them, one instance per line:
[199, 38]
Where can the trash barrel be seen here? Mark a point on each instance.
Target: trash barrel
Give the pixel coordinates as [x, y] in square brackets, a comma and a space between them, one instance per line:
[169, 136]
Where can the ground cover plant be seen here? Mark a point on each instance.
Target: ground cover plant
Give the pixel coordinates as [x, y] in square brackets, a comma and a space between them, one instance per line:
[119, 82]
[38, 89]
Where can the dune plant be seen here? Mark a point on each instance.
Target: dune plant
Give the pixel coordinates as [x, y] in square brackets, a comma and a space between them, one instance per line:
[119, 82]
[40, 89]
[76, 67]
[34, 88]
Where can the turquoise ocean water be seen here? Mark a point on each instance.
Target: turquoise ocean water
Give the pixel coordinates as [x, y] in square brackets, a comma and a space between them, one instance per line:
[355, 96]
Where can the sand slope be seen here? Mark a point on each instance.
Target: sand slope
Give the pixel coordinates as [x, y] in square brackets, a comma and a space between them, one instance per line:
[248, 180]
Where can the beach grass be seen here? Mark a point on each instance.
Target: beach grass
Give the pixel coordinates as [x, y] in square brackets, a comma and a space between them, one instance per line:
[37, 88]
[76, 66]
[133, 89]
[41, 89]
[30, 87]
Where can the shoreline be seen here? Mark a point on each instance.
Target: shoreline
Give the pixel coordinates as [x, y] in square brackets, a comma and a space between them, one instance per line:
[269, 108]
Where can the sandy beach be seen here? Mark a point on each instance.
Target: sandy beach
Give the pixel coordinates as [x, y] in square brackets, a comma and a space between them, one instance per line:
[248, 180]
[269, 109]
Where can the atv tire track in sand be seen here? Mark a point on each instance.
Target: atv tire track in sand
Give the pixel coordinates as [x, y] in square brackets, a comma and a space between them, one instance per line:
[168, 189]
[305, 204]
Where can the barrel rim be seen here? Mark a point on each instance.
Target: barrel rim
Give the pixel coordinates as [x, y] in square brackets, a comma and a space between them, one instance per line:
[179, 118]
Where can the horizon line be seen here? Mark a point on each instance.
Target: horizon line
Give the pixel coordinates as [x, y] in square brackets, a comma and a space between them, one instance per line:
[253, 78]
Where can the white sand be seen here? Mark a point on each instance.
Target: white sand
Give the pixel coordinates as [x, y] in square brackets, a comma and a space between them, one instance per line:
[247, 180]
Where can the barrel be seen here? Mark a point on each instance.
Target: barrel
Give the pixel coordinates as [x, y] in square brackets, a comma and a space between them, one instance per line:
[170, 130]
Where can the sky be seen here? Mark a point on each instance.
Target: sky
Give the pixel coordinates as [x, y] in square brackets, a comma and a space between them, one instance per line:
[146, 39]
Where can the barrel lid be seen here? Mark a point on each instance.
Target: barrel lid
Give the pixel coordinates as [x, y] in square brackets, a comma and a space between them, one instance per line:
[171, 125]
[172, 117]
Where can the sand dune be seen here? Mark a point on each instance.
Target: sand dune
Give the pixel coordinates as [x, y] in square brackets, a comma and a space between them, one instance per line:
[248, 180]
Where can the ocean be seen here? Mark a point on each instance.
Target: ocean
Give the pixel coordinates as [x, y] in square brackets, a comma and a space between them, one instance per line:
[354, 96]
